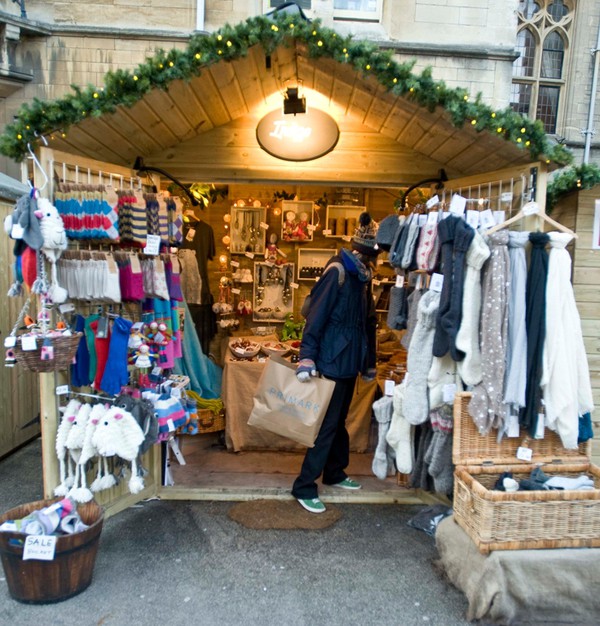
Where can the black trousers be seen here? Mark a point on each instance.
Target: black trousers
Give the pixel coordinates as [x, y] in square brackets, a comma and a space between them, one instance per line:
[331, 453]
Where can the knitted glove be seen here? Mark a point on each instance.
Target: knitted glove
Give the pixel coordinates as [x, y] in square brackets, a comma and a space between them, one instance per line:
[306, 368]
[369, 375]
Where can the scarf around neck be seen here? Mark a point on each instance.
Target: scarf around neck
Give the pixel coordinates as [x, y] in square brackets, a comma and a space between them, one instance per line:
[355, 266]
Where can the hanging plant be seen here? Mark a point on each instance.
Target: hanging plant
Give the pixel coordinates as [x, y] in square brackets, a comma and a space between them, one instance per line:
[583, 176]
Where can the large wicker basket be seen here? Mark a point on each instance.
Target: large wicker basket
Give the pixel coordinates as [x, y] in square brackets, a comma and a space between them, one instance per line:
[209, 422]
[65, 347]
[496, 520]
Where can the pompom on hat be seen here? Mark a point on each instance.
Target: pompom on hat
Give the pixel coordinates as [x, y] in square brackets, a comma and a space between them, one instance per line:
[364, 240]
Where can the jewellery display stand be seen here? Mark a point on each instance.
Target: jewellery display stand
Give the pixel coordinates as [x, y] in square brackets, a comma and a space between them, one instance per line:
[273, 296]
[247, 234]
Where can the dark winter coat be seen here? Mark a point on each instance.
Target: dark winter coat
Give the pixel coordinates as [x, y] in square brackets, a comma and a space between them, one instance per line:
[339, 335]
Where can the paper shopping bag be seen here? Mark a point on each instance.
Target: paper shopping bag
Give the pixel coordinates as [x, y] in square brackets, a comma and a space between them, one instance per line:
[285, 406]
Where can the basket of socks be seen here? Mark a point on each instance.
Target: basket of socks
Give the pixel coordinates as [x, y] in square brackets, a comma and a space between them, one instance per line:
[522, 493]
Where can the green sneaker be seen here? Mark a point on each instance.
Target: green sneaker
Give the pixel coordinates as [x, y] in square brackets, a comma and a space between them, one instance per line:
[313, 505]
[348, 483]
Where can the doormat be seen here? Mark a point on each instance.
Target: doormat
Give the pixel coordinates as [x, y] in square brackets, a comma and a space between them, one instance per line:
[281, 515]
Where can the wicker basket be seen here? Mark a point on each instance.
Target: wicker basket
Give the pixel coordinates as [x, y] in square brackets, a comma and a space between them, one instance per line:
[496, 520]
[209, 422]
[65, 347]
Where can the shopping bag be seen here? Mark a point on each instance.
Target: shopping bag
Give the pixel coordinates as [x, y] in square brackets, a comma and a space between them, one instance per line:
[285, 406]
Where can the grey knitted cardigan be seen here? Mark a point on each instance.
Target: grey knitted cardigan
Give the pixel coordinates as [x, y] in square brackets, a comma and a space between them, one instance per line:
[419, 358]
[486, 406]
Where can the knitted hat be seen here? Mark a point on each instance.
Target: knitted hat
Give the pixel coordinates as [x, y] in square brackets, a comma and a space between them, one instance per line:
[387, 231]
[364, 236]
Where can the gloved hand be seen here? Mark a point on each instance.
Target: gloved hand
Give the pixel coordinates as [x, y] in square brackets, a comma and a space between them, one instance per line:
[369, 375]
[306, 368]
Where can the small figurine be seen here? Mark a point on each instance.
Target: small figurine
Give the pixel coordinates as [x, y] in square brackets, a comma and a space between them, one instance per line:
[143, 357]
[302, 228]
[289, 226]
[272, 251]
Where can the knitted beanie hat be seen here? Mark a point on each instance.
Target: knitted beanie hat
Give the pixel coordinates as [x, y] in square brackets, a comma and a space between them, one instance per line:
[387, 231]
[170, 415]
[364, 240]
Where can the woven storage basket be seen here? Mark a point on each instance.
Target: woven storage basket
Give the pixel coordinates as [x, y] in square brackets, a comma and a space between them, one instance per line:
[65, 347]
[496, 520]
[209, 422]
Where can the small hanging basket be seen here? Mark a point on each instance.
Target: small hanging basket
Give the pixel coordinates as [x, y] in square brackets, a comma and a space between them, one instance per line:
[65, 347]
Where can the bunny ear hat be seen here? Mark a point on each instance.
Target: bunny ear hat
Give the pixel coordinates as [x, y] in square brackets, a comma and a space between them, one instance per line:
[118, 434]
[55, 241]
[104, 478]
[66, 472]
[75, 440]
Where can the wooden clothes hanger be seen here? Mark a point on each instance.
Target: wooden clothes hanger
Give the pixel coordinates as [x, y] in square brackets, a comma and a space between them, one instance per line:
[531, 209]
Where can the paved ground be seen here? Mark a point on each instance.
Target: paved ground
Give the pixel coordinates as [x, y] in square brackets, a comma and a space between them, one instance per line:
[181, 563]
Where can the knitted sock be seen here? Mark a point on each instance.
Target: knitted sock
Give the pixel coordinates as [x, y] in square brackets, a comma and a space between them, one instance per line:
[117, 376]
[411, 242]
[396, 318]
[412, 305]
[441, 467]
[399, 435]
[90, 340]
[446, 231]
[450, 319]
[101, 345]
[382, 409]
[80, 370]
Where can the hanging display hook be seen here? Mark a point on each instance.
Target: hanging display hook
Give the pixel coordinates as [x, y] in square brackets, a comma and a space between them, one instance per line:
[39, 165]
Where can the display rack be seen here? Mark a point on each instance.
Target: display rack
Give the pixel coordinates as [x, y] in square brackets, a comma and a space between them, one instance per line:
[247, 234]
[273, 295]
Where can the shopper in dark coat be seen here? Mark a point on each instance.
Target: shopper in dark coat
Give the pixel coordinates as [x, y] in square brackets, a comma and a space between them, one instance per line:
[339, 343]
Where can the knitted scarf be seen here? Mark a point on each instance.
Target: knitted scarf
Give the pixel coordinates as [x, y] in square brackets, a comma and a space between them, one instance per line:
[355, 266]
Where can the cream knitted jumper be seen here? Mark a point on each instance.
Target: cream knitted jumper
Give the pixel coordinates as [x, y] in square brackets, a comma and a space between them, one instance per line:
[565, 380]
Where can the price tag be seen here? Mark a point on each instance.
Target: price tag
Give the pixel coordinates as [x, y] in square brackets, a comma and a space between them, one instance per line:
[499, 216]
[531, 208]
[432, 201]
[422, 219]
[449, 392]
[486, 219]
[136, 268]
[61, 390]
[269, 264]
[236, 291]
[539, 428]
[388, 387]
[473, 218]
[152, 245]
[436, 282]
[28, 343]
[10, 342]
[513, 429]
[234, 263]
[67, 307]
[250, 255]
[156, 371]
[347, 238]
[327, 232]
[506, 196]
[311, 228]
[376, 282]
[264, 225]
[39, 548]
[294, 285]
[524, 454]
[190, 234]
[400, 281]
[176, 392]
[432, 218]
[170, 425]
[457, 205]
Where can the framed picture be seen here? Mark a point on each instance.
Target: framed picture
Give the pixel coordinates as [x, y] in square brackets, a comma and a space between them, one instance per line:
[297, 220]
[247, 235]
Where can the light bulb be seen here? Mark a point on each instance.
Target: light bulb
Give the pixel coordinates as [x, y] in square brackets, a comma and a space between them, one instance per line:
[226, 240]
[227, 218]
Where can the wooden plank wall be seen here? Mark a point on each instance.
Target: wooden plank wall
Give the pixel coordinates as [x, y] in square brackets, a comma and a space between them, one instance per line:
[586, 281]
[19, 398]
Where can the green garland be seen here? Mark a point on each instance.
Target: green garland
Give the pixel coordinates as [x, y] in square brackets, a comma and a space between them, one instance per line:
[571, 179]
[124, 87]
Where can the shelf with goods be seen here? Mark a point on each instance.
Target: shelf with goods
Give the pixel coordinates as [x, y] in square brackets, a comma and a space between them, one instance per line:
[248, 228]
[297, 220]
[342, 220]
[311, 262]
[273, 291]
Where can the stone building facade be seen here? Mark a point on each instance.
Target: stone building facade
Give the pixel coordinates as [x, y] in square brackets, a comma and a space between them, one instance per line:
[48, 46]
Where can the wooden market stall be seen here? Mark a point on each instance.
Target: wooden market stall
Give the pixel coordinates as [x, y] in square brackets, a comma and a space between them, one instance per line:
[203, 128]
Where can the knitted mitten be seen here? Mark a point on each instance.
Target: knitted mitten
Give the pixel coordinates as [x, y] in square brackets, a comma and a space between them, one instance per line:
[418, 364]
[396, 318]
[382, 409]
